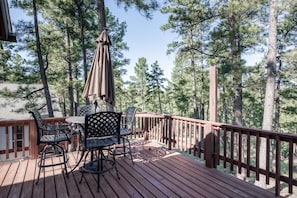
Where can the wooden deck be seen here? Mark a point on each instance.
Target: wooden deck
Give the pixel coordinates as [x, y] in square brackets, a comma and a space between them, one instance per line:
[156, 173]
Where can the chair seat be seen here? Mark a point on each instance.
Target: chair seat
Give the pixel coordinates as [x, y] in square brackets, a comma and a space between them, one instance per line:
[53, 139]
[100, 142]
[125, 132]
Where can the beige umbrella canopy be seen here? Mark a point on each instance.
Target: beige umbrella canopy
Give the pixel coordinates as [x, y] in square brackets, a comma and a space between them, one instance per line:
[100, 82]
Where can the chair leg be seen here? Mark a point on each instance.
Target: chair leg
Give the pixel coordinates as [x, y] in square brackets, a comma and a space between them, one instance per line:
[41, 163]
[65, 158]
[130, 152]
[124, 147]
[99, 168]
[77, 152]
[77, 161]
[55, 148]
[115, 162]
[82, 172]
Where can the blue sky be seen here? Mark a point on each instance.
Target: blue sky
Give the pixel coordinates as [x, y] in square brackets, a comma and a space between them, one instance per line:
[144, 38]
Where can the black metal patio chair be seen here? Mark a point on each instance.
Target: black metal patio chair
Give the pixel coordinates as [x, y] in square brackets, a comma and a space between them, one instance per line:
[50, 136]
[77, 129]
[127, 129]
[85, 110]
[101, 133]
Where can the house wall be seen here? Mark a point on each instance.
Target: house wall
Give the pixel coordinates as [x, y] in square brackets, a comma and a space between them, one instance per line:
[10, 110]
[10, 106]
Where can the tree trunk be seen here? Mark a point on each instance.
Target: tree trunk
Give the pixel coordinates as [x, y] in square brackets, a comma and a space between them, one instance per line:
[41, 65]
[237, 74]
[142, 92]
[277, 113]
[101, 15]
[159, 99]
[277, 99]
[70, 77]
[102, 26]
[84, 53]
[193, 73]
[237, 79]
[202, 110]
[225, 106]
[270, 82]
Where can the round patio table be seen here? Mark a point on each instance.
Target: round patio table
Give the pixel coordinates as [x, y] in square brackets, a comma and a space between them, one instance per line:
[77, 121]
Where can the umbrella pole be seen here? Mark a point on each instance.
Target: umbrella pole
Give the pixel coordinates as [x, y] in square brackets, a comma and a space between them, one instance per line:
[109, 107]
[96, 105]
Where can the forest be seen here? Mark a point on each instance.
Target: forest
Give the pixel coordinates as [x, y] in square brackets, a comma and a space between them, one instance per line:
[59, 42]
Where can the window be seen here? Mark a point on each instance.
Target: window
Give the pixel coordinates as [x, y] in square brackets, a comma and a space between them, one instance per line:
[19, 136]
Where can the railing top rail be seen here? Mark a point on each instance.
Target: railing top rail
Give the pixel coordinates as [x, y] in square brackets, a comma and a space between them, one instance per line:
[21, 122]
[13, 122]
[149, 115]
[261, 132]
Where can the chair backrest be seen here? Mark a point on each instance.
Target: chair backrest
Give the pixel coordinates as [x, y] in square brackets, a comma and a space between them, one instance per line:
[129, 117]
[85, 110]
[39, 123]
[102, 124]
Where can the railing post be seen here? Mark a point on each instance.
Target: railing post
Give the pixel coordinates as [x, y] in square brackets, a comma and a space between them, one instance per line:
[33, 147]
[145, 129]
[169, 128]
[209, 146]
[209, 138]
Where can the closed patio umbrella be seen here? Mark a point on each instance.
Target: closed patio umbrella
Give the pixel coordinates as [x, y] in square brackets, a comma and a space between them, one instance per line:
[100, 81]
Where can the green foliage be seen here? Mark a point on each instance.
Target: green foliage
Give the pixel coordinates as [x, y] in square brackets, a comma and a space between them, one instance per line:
[139, 83]
[205, 29]
[144, 7]
[5, 55]
[154, 83]
[63, 60]
[190, 20]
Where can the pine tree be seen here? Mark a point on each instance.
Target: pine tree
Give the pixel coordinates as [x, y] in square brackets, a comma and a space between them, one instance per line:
[155, 87]
[141, 69]
[187, 19]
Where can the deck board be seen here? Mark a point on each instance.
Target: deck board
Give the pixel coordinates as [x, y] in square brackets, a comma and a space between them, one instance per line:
[124, 183]
[28, 180]
[142, 180]
[188, 179]
[181, 185]
[220, 178]
[154, 179]
[156, 172]
[134, 182]
[198, 178]
[59, 179]
[8, 181]
[18, 180]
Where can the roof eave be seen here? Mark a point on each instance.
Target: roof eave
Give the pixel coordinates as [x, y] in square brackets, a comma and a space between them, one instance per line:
[6, 33]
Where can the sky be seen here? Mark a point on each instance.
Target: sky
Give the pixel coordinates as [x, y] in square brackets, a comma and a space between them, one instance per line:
[143, 37]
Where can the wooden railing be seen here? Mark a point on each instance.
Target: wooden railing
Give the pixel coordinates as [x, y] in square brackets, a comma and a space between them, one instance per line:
[218, 144]
[26, 129]
[228, 146]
